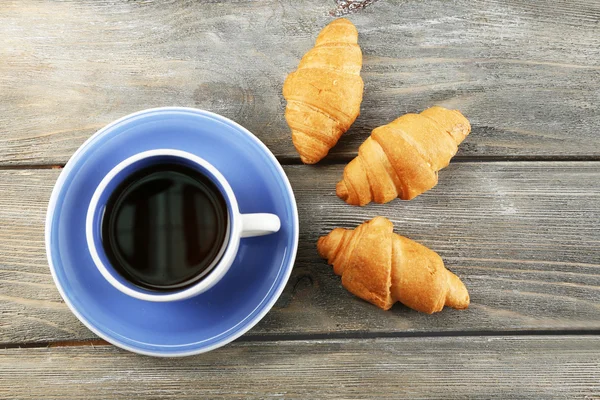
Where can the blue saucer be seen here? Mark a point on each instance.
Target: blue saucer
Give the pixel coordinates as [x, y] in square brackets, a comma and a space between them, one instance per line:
[213, 318]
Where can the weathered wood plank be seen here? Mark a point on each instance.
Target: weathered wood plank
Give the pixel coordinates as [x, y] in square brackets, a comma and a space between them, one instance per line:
[523, 236]
[415, 368]
[527, 73]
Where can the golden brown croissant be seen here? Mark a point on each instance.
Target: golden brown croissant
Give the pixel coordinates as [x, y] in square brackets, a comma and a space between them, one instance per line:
[382, 267]
[324, 94]
[402, 158]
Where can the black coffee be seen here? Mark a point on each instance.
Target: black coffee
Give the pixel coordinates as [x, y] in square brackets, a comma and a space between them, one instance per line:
[164, 226]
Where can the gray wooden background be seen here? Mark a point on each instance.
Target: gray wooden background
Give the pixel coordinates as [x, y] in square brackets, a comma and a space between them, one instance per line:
[516, 215]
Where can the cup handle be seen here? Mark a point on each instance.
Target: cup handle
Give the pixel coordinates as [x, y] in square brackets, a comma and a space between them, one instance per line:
[259, 224]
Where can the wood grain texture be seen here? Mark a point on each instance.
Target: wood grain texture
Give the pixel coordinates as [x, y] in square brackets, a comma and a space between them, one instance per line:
[565, 367]
[527, 73]
[523, 237]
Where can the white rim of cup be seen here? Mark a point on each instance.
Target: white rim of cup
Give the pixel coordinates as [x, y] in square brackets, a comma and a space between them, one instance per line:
[223, 260]
[52, 207]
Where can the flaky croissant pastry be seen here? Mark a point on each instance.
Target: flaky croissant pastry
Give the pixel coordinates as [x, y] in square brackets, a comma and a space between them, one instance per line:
[324, 94]
[402, 158]
[382, 267]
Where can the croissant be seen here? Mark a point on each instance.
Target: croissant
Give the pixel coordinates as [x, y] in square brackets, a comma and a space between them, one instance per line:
[382, 267]
[402, 158]
[324, 94]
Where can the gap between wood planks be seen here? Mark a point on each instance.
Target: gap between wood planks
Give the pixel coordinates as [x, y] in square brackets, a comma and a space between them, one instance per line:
[333, 336]
[344, 159]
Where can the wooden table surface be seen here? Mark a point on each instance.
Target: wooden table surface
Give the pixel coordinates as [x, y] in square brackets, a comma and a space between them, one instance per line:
[516, 215]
